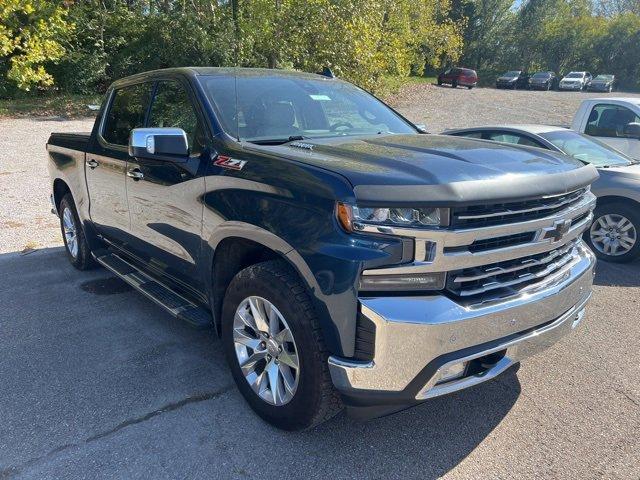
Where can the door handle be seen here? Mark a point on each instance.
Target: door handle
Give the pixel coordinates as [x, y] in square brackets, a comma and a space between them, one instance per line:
[135, 173]
[92, 163]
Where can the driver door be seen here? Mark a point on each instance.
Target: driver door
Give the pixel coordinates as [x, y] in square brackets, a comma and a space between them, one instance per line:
[165, 196]
[607, 123]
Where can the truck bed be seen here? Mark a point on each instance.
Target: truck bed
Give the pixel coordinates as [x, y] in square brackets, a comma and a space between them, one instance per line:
[75, 141]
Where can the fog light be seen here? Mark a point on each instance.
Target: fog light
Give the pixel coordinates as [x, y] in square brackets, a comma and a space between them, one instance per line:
[452, 372]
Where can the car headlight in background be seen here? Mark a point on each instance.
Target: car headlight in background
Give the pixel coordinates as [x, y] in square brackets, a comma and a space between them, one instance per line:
[353, 218]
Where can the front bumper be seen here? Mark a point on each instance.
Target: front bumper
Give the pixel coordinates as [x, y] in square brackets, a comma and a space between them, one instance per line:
[418, 338]
[571, 86]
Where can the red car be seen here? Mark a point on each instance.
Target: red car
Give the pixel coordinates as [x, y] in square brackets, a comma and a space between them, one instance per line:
[465, 77]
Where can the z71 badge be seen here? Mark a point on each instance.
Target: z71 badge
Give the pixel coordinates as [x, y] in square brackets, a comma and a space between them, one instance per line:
[228, 162]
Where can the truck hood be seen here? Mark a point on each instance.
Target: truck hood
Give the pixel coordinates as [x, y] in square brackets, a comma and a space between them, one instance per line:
[438, 169]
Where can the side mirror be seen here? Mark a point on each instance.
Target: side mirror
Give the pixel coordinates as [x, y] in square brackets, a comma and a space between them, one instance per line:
[632, 130]
[422, 128]
[159, 143]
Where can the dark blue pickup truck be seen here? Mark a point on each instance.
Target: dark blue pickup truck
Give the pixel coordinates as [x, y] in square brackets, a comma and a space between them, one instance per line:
[345, 257]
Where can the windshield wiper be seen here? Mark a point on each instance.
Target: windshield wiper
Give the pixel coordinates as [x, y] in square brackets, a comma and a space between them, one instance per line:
[277, 141]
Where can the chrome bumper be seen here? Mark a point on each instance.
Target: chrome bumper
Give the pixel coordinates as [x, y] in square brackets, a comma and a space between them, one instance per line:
[418, 337]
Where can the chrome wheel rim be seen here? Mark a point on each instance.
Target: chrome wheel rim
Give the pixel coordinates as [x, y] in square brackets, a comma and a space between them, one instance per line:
[613, 234]
[70, 232]
[266, 351]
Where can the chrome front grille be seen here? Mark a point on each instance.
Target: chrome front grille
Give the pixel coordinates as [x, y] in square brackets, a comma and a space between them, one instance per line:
[475, 216]
[499, 250]
[507, 277]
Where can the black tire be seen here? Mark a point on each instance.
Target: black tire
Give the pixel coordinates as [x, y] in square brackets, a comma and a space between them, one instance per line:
[315, 399]
[616, 208]
[470, 87]
[454, 84]
[439, 82]
[82, 258]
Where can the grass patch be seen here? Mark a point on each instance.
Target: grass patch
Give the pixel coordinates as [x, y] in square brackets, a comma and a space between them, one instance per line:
[390, 85]
[59, 105]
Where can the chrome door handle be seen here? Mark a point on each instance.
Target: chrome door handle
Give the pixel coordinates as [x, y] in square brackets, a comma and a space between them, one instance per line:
[135, 174]
[92, 163]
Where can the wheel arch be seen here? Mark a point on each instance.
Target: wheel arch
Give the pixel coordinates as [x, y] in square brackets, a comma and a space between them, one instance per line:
[238, 245]
[60, 189]
[609, 199]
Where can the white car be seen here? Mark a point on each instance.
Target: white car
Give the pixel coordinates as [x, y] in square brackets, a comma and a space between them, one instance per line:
[614, 121]
[575, 81]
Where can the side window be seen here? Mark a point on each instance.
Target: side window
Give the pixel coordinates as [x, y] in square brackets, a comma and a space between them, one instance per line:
[469, 135]
[514, 138]
[607, 120]
[172, 107]
[126, 112]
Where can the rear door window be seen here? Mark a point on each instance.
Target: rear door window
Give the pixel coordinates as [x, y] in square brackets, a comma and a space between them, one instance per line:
[127, 111]
[515, 138]
[608, 120]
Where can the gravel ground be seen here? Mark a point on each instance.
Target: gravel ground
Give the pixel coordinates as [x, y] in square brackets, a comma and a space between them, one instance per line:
[442, 107]
[98, 382]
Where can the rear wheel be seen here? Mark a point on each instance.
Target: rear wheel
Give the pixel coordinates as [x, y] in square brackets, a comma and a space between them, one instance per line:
[274, 347]
[613, 236]
[73, 235]
[439, 82]
[454, 84]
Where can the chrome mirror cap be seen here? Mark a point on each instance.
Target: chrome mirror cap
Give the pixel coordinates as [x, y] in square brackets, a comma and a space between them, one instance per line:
[158, 141]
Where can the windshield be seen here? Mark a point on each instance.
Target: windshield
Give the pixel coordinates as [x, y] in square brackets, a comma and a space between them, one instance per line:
[276, 108]
[574, 75]
[542, 75]
[604, 77]
[586, 149]
[512, 73]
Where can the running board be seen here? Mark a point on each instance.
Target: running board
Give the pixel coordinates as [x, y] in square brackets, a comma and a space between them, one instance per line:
[177, 305]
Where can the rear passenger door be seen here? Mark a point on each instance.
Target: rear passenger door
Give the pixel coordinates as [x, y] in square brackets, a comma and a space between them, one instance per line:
[106, 160]
[607, 123]
[165, 196]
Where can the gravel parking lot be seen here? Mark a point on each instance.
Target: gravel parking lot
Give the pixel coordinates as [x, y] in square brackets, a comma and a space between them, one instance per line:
[98, 382]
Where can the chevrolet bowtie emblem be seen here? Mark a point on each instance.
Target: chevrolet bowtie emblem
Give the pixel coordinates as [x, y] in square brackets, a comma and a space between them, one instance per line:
[560, 229]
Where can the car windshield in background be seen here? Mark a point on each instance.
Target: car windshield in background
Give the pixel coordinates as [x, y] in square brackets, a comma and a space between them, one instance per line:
[574, 75]
[586, 149]
[604, 77]
[273, 109]
[512, 73]
[542, 75]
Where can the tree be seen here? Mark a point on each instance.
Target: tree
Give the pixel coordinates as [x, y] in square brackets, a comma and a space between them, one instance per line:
[32, 33]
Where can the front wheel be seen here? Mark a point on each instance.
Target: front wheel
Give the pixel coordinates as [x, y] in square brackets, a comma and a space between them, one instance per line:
[454, 84]
[274, 347]
[613, 236]
[73, 235]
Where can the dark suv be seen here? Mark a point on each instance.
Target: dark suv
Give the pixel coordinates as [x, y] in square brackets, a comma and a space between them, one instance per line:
[543, 81]
[513, 79]
[464, 77]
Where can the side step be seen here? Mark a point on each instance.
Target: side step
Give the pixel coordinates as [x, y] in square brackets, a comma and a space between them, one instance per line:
[174, 303]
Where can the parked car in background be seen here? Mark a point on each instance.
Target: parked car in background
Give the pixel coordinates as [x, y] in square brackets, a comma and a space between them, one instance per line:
[602, 83]
[543, 81]
[575, 81]
[614, 121]
[614, 233]
[464, 77]
[513, 79]
[312, 227]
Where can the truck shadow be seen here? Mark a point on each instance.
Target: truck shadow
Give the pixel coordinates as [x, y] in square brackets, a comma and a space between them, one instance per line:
[617, 274]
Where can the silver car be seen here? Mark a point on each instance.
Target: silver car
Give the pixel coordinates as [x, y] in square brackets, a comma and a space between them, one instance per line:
[613, 236]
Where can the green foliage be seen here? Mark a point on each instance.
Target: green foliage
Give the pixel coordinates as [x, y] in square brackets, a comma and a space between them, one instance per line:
[32, 32]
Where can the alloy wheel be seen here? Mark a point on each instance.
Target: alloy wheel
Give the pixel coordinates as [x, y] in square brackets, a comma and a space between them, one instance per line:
[70, 232]
[266, 350]
[613, 234]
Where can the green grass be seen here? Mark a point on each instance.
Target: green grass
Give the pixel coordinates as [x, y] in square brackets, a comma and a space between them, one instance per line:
[391, 85]
[62, 105]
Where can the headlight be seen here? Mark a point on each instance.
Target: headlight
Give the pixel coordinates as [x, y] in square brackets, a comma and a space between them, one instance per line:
[352, 217]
